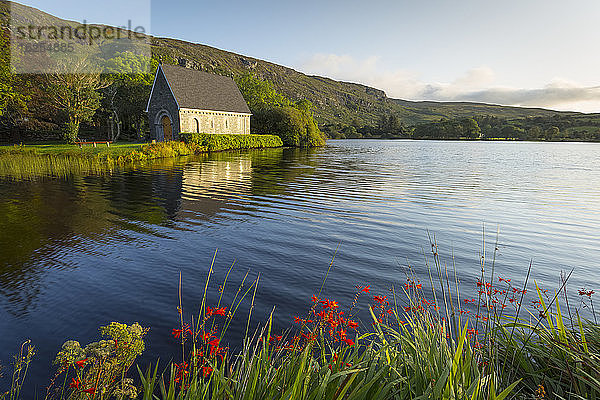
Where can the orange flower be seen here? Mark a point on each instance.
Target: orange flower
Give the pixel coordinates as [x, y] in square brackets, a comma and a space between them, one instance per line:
[352, 324]
[81, 363]
[206, 371]
[349, 342]
[379, 299]
[177, 333]
[221, 311]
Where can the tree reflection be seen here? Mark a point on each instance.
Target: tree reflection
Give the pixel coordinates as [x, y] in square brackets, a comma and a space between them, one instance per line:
[46, 221]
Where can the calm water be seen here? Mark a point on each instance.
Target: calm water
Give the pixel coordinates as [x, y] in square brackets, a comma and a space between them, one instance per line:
[80, 252]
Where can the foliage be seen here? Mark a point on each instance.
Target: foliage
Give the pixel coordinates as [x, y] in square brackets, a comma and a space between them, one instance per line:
[326, 357]
[565, 127]
[295, 127]
[100, 368]
[427, 343]
[293, 122]
[259, 93]
[26, 162]
[464, 128]
[126, 97]
[75, 95]
[428, 347]
[217, 142]
[20, 369]
[13, 97]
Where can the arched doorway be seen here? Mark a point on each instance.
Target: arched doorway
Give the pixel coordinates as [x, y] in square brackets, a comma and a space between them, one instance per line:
[167, 128]
[197, 125]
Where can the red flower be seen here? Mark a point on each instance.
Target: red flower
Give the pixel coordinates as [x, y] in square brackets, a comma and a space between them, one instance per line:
[379, 299]
[181, 371]
[209, 311]
[74, 383]
[221, 311]
[314, 298]
[81, 363]
[206, 371]
[349, 342]
[366, 289]
[91, 390]
[352, 324]
[177, 333]
[587, 293]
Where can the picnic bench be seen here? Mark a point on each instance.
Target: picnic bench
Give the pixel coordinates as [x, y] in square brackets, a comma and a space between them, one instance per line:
[81, 144]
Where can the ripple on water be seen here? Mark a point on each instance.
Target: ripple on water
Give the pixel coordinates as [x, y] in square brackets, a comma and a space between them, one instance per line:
[80, 251]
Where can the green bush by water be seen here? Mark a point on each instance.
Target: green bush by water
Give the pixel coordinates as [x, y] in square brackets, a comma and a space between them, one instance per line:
[218, 142]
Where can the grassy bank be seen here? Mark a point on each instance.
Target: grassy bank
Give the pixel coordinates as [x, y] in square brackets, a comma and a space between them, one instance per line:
[28, 161]
[418, 341]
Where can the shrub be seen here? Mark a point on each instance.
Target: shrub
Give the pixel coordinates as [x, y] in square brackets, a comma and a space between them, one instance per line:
[217, 142]
[100, 368]
[294, 126]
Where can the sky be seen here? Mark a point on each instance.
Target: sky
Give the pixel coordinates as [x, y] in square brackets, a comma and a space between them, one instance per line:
[541, 53]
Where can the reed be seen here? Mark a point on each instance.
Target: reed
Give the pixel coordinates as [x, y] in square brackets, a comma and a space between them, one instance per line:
[30, 162]
[418, 341]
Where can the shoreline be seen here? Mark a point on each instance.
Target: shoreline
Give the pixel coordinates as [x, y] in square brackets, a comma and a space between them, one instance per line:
[21, 161]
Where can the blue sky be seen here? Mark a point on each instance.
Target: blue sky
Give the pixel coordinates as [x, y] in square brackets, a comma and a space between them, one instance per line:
[527, 52]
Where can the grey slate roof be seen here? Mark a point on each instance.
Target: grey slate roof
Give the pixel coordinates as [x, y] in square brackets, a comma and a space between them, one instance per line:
[204, 91]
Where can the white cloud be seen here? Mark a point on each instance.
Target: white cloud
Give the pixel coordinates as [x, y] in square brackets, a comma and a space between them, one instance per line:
[477, 84]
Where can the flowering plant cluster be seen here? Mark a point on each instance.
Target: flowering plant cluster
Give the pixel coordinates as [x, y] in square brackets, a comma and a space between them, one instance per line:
[99, 369]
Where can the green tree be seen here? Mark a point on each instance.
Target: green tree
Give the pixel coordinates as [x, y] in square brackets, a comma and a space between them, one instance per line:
[471, 129]
[534, 133]
[75, 95]
[13, 100]
[258, 93]
[125, 99]
[295, 127]
[273, 113]
[551, 133]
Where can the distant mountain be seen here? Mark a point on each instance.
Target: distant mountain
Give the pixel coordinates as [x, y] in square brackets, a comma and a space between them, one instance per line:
[335, 101]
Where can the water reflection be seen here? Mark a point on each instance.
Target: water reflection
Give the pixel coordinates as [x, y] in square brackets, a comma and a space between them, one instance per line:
[47, 220]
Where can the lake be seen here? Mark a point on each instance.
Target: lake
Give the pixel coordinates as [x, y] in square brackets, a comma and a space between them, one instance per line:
[78, 252]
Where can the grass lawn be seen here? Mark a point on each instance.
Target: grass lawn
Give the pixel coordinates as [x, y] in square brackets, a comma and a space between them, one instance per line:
[54, 148]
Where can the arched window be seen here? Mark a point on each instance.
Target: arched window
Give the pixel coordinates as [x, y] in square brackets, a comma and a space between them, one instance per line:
[197, 125]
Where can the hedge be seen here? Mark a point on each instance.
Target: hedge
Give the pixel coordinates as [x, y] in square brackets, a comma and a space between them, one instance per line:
[216, 142]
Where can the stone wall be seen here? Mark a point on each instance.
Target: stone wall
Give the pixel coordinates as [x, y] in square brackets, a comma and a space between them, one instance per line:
[162, 102]
[204, 121]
